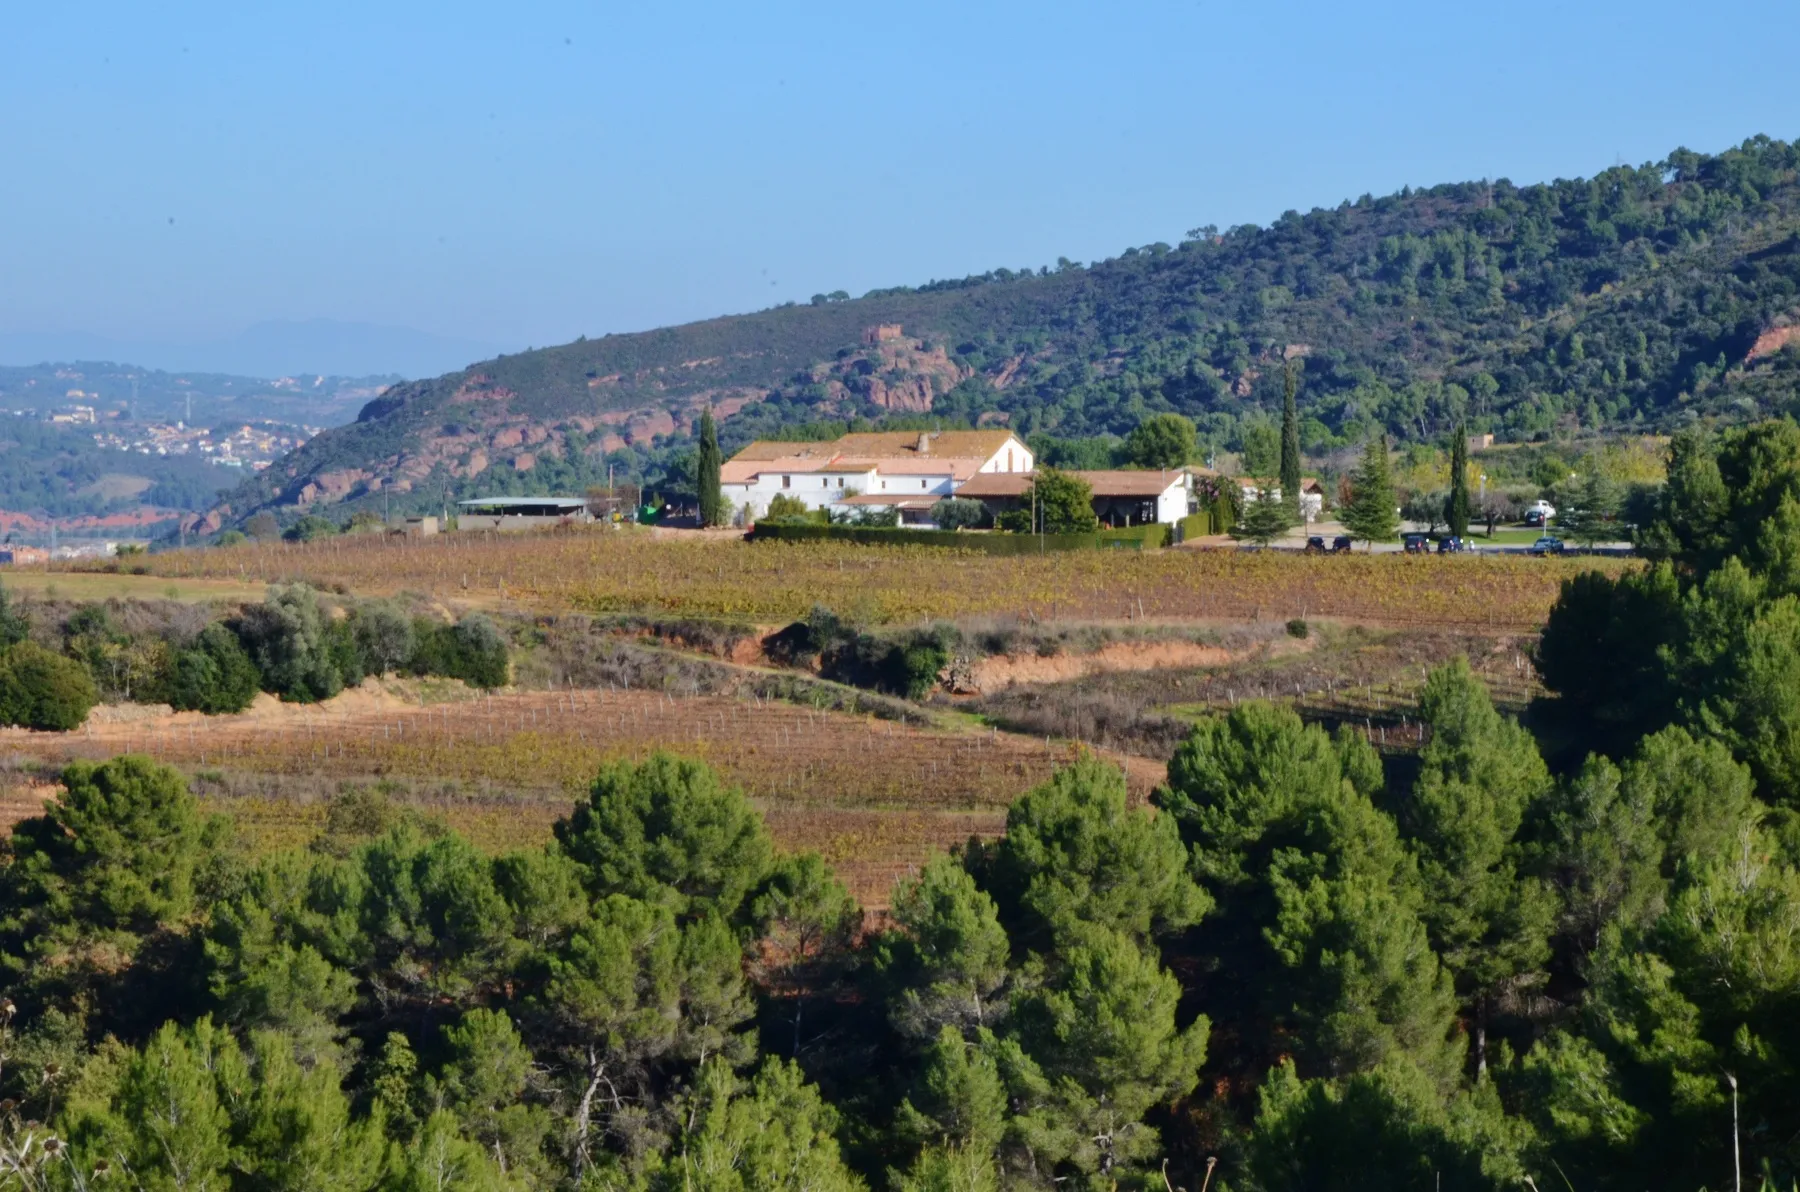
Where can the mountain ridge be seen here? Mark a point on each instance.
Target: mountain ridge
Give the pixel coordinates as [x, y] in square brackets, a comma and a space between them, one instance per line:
[1633, 299]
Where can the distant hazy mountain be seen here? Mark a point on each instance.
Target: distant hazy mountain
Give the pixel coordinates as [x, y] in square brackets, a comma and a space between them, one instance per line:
[273, 349]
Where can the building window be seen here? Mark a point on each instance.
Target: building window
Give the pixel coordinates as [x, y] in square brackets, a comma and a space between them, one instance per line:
[921, 484]
[787, 482]
[840, 482]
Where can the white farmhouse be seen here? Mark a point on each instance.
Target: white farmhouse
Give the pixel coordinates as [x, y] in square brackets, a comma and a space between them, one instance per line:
[906, 470]
[1120, 498]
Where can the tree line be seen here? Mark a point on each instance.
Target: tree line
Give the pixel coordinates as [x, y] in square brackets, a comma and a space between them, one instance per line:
[55, 665]
[1306, 965]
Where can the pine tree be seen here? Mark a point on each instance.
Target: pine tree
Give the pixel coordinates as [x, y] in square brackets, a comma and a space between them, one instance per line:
[712, 501]
[1290, 447]
[1265, 519]
[1457, 507]
[1371, 514]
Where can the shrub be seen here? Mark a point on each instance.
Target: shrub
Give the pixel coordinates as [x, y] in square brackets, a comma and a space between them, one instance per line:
[42, 690]
[232, 538]
[310, 527]
[472, 650]
[786, 509]
[959, 513]
[297, 651]
[384, 637]
[214, 675]
[1297, 628]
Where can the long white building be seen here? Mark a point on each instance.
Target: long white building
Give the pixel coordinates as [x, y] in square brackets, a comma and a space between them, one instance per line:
[905, 470]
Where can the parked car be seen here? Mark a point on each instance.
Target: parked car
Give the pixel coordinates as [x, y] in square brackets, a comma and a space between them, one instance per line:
[1545, 508]
[1534, 519]
[1315, 545]
[1549, 544]
[1452, 545]
[1341, 544]
[1416, 544]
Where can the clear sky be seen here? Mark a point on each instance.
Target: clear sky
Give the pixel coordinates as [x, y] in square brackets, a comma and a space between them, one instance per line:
[523, 173]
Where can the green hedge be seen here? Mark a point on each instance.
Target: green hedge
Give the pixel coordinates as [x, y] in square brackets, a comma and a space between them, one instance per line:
[1135, 538]
[1197, 525]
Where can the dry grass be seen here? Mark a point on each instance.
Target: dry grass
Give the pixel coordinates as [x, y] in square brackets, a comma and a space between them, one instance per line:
[640, 573]
[102, 585]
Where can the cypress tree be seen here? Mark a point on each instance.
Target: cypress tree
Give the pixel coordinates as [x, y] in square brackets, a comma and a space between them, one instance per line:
[1290, 446]
[712, 501]
[1371, 514]
[1457, 507]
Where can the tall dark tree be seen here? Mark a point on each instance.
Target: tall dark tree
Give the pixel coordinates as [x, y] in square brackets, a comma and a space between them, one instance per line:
[1372, 513]
[1457, 506]
[706, 467]
[1290, 445]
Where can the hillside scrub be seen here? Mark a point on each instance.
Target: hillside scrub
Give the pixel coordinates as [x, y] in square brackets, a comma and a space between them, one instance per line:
[1643, 291]
[298, 645]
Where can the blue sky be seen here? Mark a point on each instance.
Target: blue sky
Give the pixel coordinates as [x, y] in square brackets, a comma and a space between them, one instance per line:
[521, 174]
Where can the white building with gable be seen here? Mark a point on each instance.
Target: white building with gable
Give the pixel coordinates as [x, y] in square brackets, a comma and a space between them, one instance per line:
[906, 470]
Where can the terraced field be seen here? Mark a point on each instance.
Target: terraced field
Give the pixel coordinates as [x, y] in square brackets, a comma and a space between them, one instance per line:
[874, 796]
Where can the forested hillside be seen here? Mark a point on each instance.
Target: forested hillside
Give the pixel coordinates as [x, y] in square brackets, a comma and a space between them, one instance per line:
[1641, 297]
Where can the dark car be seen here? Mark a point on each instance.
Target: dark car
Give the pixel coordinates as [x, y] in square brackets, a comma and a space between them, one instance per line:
[1315, 545]
[1416, 544]
[1341, 544]
[1549, 544]
[1534, 519]
[1452, 545]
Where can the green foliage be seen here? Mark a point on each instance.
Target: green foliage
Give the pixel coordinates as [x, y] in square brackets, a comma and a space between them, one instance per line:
[1587, 510]
[707, 462]
[1385, 1129]
[1261, 456]
[1318, 904]
[1457, 506]
[384, 635]
[1103, 1047]
[667, 833]
[14, 627]
[291, 639]
[1370, 513]
[1290, 444]
[784, 508]
[1057, 503]
[1074, 857]
[1479, 776]
[215, 676]
[473, 650]
[42, 690]
[1601, 651]
[1164, 441]
[1265, 519]
[120, 852]
[946, 956]
[770, 1132]
[1018, 540]
[310, 528]
[959, 513]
